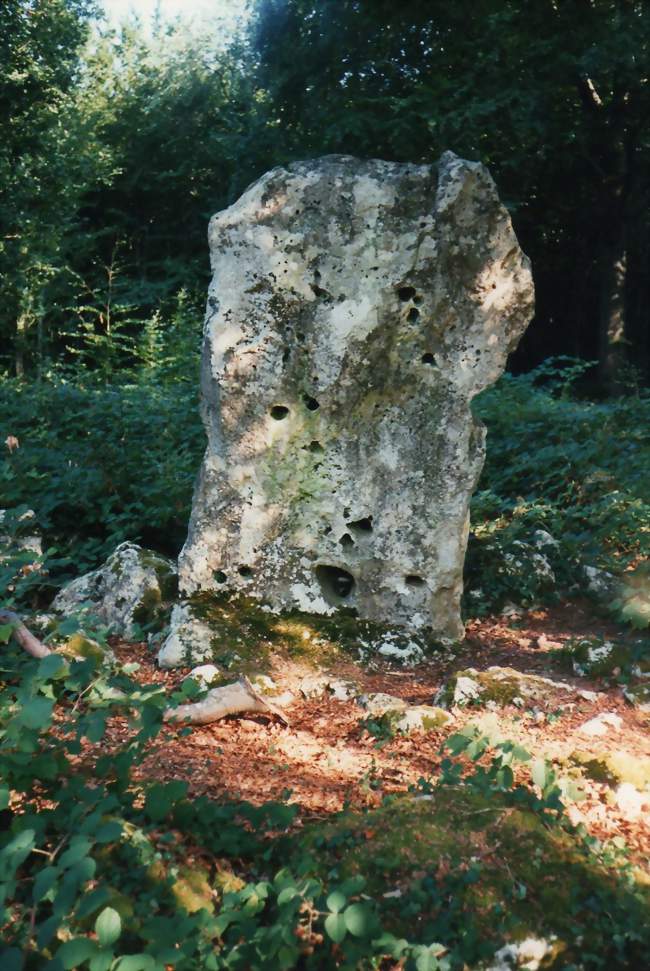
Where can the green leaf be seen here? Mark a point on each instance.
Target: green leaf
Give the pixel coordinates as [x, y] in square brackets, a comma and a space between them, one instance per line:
[108, 927]
[4, 797]
[336, 901]
[44, 882]
[79, 847]
[109, 832]
[358, 920]
[101, 962]
[52, 667]
[335, 927]
[6, 630]
[286, 895]
[11, 959]
[36, 713]
[161, 797]
[73, 953]
[136, 962]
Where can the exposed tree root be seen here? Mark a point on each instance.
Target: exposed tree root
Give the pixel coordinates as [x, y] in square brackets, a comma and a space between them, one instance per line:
[28, 641]
[229, 699]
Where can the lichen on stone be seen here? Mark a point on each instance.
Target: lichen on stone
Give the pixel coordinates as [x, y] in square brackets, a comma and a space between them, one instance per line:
[355, 310]
[131, 593]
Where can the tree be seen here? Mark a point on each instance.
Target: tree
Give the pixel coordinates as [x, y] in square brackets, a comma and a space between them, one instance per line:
[43, 164]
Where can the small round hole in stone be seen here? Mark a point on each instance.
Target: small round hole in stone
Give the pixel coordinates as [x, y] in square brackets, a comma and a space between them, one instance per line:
[413, 580]
[245, 572]
[428, 359]
[406, 293]
[279, 412]
[311, 403]
[336, 584]
[346, 540]
[220, 576]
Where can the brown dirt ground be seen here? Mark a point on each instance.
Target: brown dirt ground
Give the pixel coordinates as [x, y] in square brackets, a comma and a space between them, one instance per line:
[325, 760]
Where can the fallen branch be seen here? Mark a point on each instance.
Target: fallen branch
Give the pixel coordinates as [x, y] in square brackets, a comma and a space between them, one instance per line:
[28, 641]
[230, 699]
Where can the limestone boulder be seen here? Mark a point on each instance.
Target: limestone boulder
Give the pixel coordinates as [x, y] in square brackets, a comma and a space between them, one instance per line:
[356, 308]
[133, 589]
[498, 686]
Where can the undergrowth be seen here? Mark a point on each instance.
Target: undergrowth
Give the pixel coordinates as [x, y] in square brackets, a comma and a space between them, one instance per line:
[100, 870]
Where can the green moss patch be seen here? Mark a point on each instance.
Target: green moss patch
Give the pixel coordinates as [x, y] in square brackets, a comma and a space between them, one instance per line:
[473, 872]
[246, 634]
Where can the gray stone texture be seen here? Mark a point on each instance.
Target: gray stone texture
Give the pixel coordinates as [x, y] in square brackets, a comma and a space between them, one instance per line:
[355, 309]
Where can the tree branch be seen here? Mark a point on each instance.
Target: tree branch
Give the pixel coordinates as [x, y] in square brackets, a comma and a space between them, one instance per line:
[28, 641]
[230, 699]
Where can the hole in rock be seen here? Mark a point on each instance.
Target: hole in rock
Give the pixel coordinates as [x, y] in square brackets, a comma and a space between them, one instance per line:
[316, 275]
[278, 412]
[311, 403]
[406, 293]
[245, 571]
[413, 580]
[346, 540]
[220, 576]
[327, 530]
[361, 525]
[412, 315]
[315, 446]
[336, 584]
[428, 359]
[318, 291]
[286, 354]
[300, 336]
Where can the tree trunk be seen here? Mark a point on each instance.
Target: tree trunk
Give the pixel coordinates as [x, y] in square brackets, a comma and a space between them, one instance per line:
[614, 340]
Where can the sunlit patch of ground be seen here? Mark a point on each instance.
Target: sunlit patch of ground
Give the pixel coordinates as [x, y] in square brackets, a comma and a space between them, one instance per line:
[325, 760]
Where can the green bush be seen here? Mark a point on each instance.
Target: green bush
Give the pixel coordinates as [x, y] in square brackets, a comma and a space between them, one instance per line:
[99, 465]
[574, 469]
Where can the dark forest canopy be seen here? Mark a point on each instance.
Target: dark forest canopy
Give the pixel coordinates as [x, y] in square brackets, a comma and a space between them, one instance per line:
[117, 148]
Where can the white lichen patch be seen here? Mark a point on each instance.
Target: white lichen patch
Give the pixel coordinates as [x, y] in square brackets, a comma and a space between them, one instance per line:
[190, 639]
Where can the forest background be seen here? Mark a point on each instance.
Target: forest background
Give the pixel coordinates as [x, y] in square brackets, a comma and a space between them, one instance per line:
[119, 144]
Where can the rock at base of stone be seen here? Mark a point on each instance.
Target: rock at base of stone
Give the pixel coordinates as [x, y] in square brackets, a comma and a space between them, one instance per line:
[356, 308]
[133, 589]
[496, 685]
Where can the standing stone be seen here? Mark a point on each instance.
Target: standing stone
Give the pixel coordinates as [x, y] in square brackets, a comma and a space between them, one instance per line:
[356, 308]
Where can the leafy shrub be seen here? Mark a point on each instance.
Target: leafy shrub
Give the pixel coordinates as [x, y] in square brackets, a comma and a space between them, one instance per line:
[100, 465]
[575, 469]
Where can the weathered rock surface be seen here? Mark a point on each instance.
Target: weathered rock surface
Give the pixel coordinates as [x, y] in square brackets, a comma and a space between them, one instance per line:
[356, 308]
[497, 685]
[133, 588]
[403, 717]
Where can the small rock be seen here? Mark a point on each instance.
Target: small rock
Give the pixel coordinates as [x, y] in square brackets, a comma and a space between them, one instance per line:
[630, 801]
[425, 718]
[205, 674]
[590, 695]
[342, 690]
[601, 725]
[132, 588]
[190, 638]
[380, 703]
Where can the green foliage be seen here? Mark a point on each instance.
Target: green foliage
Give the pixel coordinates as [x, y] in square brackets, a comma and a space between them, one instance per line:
[95, 858]
[574, 469]
[99, 465]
